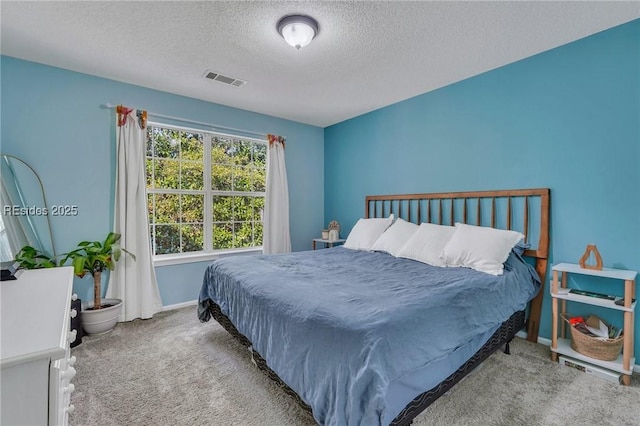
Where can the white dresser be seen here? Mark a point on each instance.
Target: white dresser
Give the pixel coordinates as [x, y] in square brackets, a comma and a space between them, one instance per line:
[36, 365]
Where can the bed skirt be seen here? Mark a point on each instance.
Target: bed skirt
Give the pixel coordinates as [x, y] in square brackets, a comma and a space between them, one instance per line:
[505, 333]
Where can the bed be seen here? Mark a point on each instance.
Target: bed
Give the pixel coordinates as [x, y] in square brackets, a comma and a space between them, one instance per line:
[369, 338]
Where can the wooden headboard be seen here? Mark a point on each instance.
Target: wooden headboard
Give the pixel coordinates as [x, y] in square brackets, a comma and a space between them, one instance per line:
[523, 210]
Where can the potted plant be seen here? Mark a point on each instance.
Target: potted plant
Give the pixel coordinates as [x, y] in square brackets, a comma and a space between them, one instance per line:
[94, 257]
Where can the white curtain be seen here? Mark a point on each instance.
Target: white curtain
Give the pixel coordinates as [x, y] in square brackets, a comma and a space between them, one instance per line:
[133, 281]
[276, 237]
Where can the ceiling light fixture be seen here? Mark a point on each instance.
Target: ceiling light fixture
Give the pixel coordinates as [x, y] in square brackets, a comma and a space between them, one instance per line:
[297, 30]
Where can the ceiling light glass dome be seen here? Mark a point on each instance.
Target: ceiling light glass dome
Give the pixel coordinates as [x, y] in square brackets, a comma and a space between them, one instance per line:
[298, 30]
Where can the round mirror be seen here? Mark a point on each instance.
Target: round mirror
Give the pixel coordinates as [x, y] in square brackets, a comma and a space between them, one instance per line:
[24, 220]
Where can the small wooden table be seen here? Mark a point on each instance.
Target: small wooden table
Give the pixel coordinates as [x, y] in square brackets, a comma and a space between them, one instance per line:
[327, 243]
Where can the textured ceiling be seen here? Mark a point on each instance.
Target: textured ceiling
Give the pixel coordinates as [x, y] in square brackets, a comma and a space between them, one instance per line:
[367, 54]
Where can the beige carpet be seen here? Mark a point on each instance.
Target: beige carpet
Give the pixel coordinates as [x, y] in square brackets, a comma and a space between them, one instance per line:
[173, 370]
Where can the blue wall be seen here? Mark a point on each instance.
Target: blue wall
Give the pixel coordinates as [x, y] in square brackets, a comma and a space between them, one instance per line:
[567, 119]
[53, 119]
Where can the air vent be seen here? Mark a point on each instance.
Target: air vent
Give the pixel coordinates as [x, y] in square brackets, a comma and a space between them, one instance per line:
[226, 79]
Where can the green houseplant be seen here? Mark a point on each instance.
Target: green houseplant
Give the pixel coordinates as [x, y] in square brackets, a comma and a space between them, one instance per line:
[31, 258]
[93, 257]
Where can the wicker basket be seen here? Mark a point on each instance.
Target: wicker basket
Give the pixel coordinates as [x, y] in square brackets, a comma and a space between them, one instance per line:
[605, 350]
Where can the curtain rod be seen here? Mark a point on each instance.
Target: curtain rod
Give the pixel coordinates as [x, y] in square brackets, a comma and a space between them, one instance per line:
[200, 123]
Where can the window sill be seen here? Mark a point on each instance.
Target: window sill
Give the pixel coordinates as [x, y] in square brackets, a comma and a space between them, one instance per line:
[179, 259]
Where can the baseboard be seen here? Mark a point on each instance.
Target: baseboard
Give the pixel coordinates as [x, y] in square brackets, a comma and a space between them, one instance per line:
[180, 305]
[547, 342]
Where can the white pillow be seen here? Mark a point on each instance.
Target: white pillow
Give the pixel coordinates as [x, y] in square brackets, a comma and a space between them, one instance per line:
[481, 248]
[366, 232]
[426, 244]
[392, 240]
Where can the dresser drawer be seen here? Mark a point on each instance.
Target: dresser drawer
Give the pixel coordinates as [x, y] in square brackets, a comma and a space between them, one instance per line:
[62, 374]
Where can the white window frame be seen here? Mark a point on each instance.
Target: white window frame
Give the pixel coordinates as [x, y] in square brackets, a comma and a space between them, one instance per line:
[209, 253]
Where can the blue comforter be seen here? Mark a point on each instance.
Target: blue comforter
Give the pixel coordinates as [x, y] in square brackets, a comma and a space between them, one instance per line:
[338, 325]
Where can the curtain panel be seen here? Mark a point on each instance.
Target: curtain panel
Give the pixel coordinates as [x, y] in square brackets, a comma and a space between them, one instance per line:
[277, 238]
[133, 281]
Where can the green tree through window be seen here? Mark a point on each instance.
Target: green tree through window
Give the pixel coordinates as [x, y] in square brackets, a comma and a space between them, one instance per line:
[205, 190]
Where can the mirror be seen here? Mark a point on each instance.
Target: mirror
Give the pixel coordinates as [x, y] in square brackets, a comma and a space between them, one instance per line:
[24, 219]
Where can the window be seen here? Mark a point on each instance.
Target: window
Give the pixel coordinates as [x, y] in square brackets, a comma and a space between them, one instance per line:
[205, 190]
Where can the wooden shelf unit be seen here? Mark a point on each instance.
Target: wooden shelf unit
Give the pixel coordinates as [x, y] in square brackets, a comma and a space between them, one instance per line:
[562, 345]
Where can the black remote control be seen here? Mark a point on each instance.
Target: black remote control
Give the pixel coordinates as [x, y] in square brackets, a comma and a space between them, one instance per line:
[620, 301]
